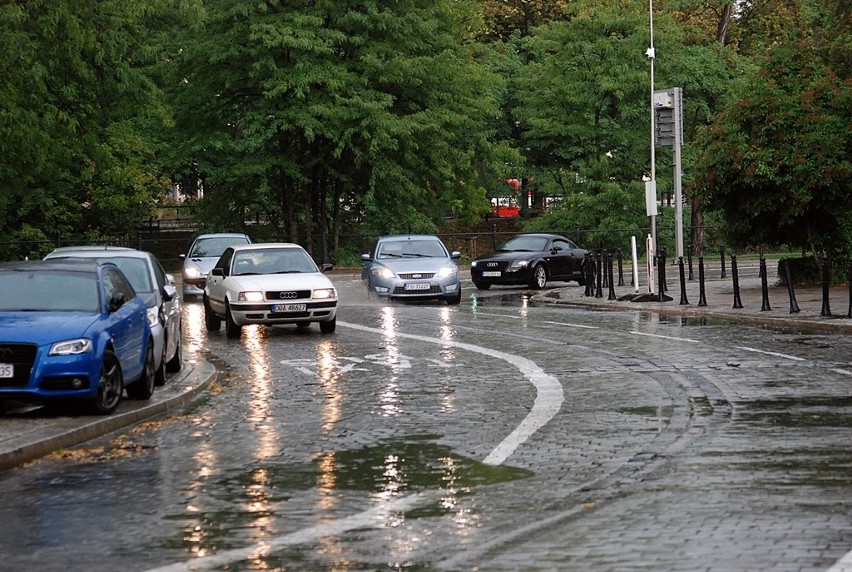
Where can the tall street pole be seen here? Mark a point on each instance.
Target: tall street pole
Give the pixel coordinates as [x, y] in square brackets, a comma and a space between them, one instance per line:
[652, 208]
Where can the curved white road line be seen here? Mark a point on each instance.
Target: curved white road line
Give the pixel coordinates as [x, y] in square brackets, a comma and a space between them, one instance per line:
[548, 401]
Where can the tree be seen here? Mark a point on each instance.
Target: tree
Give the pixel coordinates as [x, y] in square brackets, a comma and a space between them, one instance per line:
[326, 115]
[777, 161]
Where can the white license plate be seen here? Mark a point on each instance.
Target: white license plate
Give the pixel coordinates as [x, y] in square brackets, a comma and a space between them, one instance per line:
[491, 274]
[417, 286]
[7, 370]
[289, 308]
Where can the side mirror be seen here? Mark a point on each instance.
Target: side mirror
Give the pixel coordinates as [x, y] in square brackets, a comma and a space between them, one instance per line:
[218, 272]
[327, 266]
[169, 292]
[182, 256]
[455, 254]
[365, 258]
[170, 279]
[116, 301]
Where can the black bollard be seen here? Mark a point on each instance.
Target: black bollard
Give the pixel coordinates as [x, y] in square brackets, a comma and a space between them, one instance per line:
[849, 281]
[611, 295]
[620, 268]
[826, 280]
[738, 303]
[683, 300]
[598, 275]
[702, 294]
[661, 272]
[722, 253]
[794, 307]
[606, 260]
[589, 273]
[764, 285]
[689, 259]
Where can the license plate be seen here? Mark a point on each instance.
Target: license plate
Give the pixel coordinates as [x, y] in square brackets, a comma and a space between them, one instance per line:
[491, 273]
[289, 308]
[417, 286]
[7, 370]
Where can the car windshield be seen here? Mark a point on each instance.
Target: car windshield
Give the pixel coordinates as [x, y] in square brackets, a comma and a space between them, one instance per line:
[48, 291]
[273, 261]
[213, 246]
[525, 244]
[411, 248]
[134, 268]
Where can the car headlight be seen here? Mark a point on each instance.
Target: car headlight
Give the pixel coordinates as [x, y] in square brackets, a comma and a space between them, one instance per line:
[474, 263]
[324, 293]
[250, 296]
[520, 263]
[447, 271]
[71, 347]
[192, 272]
[382, 273]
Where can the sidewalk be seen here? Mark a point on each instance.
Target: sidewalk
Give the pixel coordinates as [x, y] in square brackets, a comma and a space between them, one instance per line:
[719, 295]
[29, 432]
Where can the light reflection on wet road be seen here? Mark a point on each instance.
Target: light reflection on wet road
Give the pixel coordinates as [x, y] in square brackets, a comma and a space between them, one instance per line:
[675, 448]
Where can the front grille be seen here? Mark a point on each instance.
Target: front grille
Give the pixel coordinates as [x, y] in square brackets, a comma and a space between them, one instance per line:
[401, 291]
[276, 315]
[417, 275]
[22, 357]
[287, 295]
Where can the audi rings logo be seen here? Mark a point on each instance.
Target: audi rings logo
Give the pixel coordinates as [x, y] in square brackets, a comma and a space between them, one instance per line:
[491, 264]
[288, 295]
[6, 355]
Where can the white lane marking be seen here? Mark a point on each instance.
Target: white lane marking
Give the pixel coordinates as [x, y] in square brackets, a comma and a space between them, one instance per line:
[665, 337]
[478, 313]
[573, 325]
[843, 565]
[776, 354]
[548, 402]
[842, 371]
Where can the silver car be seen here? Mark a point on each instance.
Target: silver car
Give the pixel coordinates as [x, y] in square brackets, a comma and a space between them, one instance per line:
[155, 287]
[203, 254]
[412, 267]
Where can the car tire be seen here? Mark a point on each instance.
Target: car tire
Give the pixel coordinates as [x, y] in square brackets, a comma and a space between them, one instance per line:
[454, 300]
[481, 285]
[175, 364]
[143, 388]
[110, 386]
[328, 327]
[211, 321]
[539, 277]
[232, 329]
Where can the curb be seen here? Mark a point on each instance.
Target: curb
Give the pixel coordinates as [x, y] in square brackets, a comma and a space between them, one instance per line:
[193, 382]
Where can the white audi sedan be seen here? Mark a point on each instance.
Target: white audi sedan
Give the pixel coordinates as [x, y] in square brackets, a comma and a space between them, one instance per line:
[274, 283]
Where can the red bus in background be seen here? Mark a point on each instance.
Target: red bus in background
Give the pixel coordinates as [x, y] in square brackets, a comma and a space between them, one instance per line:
[507, 206]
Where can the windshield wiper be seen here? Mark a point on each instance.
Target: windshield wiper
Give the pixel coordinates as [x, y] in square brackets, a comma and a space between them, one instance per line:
[289, 272]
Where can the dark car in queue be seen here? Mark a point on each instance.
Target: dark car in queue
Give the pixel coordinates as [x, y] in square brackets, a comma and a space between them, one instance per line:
[73, 331]
[412, 267]
[530, 260]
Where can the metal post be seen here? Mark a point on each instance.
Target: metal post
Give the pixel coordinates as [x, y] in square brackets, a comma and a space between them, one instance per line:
[689, 259]
[683, 300]
[794, 307]
[620, 268]
[598, 275]
[661, 262]
[722, 253]
[849, 281]
[702, 295]
[738, 303]
[588, 273]
[826, 280]
[607, 257]
[611, 295]
[764, 285]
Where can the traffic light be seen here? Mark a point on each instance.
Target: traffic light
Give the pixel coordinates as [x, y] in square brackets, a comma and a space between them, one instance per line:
[664, 127]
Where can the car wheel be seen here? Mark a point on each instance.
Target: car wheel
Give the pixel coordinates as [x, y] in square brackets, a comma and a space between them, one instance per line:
[454, 300]
[232, 329]
[539, 278]
[110, 385]
[175, 364]
[328, 327]
[144, 387]
[481, 285]
[211, 321]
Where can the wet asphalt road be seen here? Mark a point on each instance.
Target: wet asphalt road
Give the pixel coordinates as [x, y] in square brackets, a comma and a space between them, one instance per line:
[496, 435]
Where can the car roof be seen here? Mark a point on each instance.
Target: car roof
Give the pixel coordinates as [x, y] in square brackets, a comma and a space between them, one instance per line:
[97, 251]
[222, 235]
[408, 237]
[265, 246]
[74, 265]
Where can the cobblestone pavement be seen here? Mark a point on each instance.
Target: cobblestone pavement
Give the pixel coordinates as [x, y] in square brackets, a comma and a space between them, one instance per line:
[679, 442]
